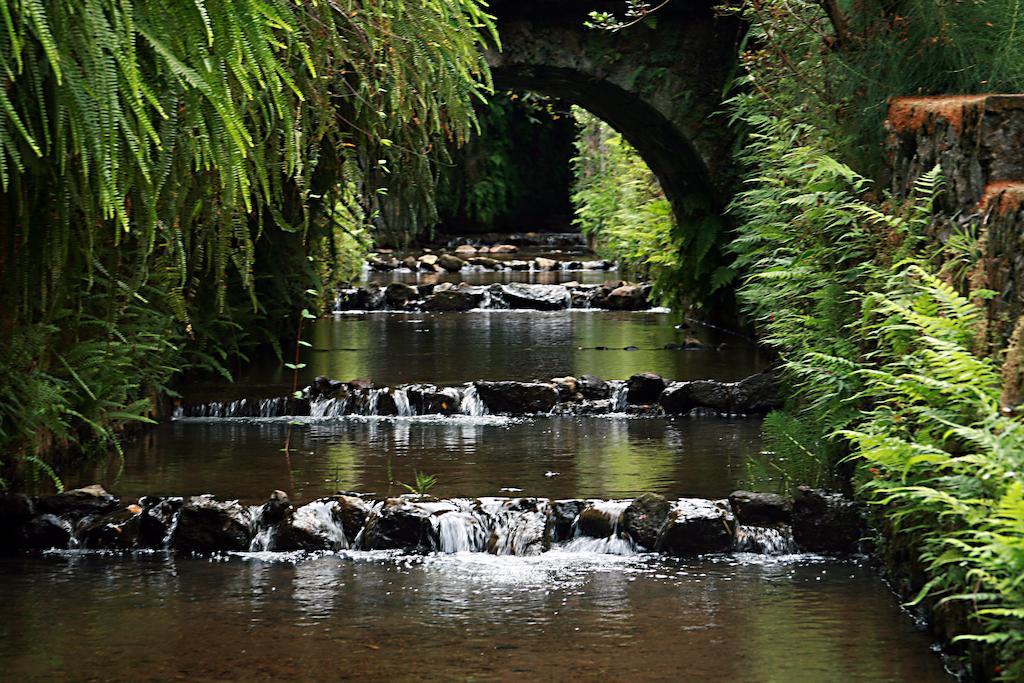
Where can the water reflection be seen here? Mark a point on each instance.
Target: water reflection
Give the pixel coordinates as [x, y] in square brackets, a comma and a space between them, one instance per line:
[593, 457]
[553, 617]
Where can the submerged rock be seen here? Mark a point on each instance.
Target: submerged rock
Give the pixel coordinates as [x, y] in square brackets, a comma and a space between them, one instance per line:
[207, 526]
[761, 509]
[645, 517]
[696, 526]
[826, 522]
[517, 398]
[644, 388]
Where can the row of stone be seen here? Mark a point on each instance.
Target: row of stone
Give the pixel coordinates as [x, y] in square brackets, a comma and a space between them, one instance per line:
[91, 518]
[448, 297]
[453, 263]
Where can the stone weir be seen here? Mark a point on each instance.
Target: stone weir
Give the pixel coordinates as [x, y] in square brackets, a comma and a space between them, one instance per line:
[641, 394]
[91, 518]
[616, 295]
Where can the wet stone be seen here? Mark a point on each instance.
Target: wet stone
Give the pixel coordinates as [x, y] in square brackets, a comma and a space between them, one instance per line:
[88, 500]
[763, 509]
[644, 388]
[645, 517]
[695, 526]
[826, 522]
[207, 526]
[517, 398]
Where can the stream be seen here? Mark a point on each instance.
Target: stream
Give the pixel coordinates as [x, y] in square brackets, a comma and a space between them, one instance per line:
[570, 612]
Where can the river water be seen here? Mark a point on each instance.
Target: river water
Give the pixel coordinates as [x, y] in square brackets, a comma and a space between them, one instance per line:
[469, 616]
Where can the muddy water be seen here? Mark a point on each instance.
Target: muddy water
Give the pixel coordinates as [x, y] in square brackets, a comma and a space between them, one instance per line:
[374, 616]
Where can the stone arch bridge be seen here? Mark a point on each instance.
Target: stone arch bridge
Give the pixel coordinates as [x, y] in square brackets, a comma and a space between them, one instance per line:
[659, 83]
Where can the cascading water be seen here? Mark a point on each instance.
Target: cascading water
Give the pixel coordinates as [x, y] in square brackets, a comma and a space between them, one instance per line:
[765, 540]
[471, 404]
[402, 406]
[619, 392]
[319, 517]
[615, 543]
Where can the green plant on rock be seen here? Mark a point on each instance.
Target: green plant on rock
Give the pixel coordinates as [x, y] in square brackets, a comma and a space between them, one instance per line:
[423, 484]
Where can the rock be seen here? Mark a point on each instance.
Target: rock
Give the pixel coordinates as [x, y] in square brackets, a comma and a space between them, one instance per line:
[536, 297]
[574, 265]
[761, 509]
[541, 263]
[483, 250]
[116, 531]
[562, 517]
[599, 523]
[382, 264]
[567, 388]
[353, 512]
[645, 517]
[517, 398]
[826, 522]
[518, 265]
[209, 526]
[323, 386]
[452, 300]
[644, 388]
[158, 513]
[275, 510]
[399, 294]
[400, 525]
[504, 249]
[468, 249]
[484, 262]
[15, 511]
[594, 387]
[410, 262]
[368, 299]
[680, 398]
[756, 394]
[627, 298]
[426, 399]
[89, 500]
[696, 526]
[45, 532]
[450, 263]
[582, 296]
[428, 260]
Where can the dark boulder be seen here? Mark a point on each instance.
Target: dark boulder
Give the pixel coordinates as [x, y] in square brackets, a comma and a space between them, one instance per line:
[208, 526]
[324, 387]
[410, 262]
[583, 297]
[562, 517]
[536, 297]
[696, 526]
[594, 387]
[761, 509]
[452, 300]
[627, 298]
[644, 388]
[682, 397]
[645, 517]
[88, 500]
[116, 531]
[361, 299]
[158, 513]
[756, 394]
[568, 388]
[517, 398]
[382, 264]
[400, 525]
[399, 294]
[15, 512]
[677, 399]
[45, 532]
[427, 399]
[826, 522]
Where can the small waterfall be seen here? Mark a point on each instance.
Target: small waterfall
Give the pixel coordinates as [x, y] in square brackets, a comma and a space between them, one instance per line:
[619, 402]
[460, 530]
[261, 541]
[471, 404]
[319, 518]
[402, 405]
[615, 543]
[326, 407]
[373, 401]
[516, 527]
[765, 540]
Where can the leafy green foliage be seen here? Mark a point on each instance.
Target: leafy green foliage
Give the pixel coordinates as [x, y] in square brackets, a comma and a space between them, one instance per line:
[876, 348]
[175, 176]
[619, 202]
[424, 483]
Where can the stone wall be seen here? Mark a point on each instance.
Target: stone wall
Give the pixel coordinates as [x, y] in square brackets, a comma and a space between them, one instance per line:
[979, 142]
